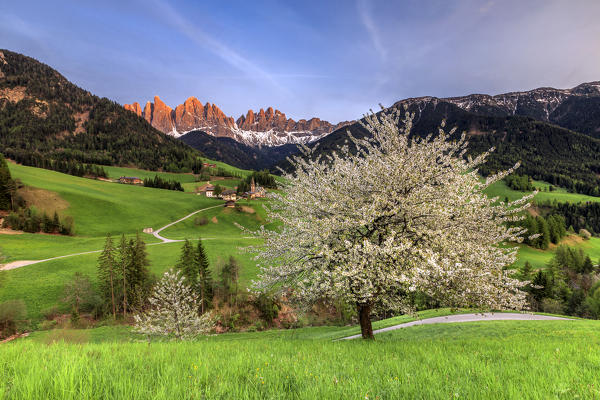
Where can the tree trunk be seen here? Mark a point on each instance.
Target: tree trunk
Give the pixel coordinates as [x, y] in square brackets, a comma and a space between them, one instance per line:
[112, 295]
[364, 316]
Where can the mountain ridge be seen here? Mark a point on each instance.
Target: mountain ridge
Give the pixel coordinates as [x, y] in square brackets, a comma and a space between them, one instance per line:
[268, 127]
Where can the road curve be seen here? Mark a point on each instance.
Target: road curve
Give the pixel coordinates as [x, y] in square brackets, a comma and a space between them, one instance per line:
[157, 235]
[466, 318]
[19, 264]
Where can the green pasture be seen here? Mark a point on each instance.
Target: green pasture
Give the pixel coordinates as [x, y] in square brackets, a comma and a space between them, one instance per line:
[501, 190]
[100, 207]
[477, 360]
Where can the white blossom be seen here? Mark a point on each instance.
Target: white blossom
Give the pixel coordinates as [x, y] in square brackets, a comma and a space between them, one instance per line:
[173, 310]
[401, 214]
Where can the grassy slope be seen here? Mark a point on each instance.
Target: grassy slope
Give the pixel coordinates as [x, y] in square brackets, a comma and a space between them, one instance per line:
[539, 258]
[100, 207]
[492, 360]
[561, 195]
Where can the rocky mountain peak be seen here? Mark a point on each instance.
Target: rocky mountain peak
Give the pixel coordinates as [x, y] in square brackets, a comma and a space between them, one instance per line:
[264, 128]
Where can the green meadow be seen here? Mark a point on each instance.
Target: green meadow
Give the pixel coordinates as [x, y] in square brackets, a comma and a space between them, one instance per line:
[477, 360]
[501, 190]
[99, 208]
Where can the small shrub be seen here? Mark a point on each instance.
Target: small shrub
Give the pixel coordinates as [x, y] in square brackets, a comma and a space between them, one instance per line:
[585, 234]
[267, 307]
[50, 313]
[552, 306]
[12, 314]
[200, 221]
[48, 325]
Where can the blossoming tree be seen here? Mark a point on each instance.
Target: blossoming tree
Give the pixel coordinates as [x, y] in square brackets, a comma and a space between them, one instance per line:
[173, 310]
[389, 216]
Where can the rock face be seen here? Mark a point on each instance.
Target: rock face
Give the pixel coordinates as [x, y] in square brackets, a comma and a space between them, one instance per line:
[265, 128]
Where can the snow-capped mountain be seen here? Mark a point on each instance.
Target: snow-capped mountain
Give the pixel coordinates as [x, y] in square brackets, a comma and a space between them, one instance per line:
[265, 128]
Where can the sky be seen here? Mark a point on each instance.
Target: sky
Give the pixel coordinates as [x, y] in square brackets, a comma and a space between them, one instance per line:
[329, 59]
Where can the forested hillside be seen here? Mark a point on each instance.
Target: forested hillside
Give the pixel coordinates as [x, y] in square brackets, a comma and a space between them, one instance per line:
[547, 152]
[44, 117]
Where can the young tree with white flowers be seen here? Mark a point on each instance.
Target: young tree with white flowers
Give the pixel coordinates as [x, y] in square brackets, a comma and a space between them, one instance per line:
[173, 310]
[392, 215]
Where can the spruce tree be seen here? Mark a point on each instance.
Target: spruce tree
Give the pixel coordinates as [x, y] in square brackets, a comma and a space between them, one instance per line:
[205, 283]
[139, 275]
[187, 264]
[108, 274]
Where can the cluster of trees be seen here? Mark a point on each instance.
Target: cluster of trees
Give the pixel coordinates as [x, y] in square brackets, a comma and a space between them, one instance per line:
[75, 168]
[261, 178]
[193, 264]
[521, 183]
[125, 281]
[550, 229]
[24, 218]
[578, 215]
[158, 182]
[30, 220]
[568, 285]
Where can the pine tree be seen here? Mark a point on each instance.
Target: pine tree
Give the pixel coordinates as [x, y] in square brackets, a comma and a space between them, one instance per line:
[544, 239]
[204, 279]
[187, 264]
[526, 271]
[108, 273]
[138, 274]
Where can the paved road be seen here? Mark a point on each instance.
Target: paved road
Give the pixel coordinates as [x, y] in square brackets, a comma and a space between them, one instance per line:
[467, 318]
[19, 264]
[157, 235]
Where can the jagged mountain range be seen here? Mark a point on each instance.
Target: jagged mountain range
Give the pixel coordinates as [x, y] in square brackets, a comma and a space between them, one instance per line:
[263, 128]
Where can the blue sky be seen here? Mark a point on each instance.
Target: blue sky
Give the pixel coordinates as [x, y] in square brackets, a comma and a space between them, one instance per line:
[330, 59]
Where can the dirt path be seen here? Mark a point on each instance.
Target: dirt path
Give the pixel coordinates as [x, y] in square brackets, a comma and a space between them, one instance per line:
[156, 234]
[467, 318]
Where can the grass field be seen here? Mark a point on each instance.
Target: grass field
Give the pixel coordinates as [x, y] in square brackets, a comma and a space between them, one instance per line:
[101, 207]
[479, 360]
[499, 189]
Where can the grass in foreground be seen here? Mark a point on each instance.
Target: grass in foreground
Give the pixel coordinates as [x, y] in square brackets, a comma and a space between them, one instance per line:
[491, 360]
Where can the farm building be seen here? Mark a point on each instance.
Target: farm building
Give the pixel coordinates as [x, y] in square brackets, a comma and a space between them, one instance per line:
[229, 194]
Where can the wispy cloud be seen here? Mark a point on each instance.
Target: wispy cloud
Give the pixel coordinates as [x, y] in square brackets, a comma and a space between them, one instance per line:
[367, 20]
[233, 58]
